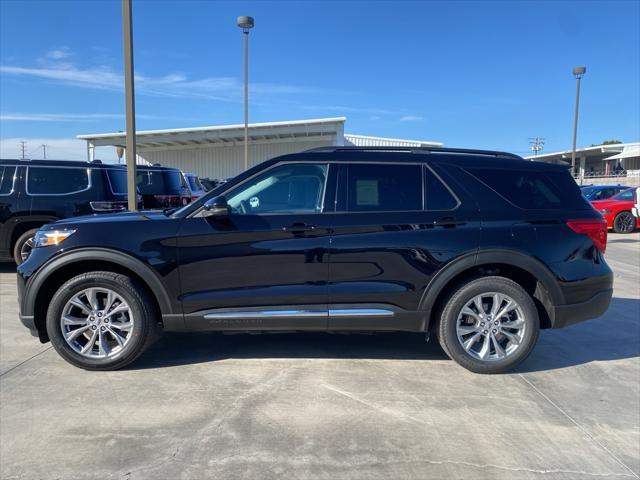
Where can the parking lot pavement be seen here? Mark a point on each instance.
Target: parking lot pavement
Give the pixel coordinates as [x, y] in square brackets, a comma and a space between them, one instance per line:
[329, 406]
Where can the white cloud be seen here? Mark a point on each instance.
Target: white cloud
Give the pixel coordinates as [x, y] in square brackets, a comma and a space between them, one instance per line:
[375, 117]
[411, 118]
[174, 84]
[57, 148]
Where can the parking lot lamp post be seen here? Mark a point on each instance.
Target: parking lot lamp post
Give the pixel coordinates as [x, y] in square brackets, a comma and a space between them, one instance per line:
[578, 72]
[246, 24]
[127, 31]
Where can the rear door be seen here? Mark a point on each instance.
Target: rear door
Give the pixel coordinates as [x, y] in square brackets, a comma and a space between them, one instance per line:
[400, 224]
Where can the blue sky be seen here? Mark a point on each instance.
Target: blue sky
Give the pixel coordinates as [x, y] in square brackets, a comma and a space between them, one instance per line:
[469, 74]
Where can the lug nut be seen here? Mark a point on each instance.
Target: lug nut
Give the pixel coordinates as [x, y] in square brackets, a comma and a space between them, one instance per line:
[495, 323]
[93, 327]
[102, 329]
[494, 330]
[486, 331]
[91, 319]
[482, 324]
[106, 320]
[99, 314]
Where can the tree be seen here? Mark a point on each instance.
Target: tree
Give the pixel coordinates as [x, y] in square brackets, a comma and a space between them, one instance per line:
[606, 142]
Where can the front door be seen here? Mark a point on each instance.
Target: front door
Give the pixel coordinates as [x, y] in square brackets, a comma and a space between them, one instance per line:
[266, 264]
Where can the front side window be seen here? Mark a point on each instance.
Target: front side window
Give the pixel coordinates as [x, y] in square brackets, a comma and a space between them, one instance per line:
[56, 181]
[288, 188]
[384, 188]
[6, 180]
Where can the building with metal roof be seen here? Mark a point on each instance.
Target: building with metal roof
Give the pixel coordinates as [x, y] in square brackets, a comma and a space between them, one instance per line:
[217, 151]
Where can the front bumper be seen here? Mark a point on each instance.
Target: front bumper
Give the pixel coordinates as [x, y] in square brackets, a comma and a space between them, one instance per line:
[565, 315]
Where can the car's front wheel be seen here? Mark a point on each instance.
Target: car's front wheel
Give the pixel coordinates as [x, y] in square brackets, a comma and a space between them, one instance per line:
[101, 321]
[23, 246]
[624, 222]
[489, 325]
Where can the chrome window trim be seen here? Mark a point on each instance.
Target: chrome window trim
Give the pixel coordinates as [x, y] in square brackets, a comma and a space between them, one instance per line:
[453, 194]
[13, 180]
[331, 313]
[109, 180]
[26, 181]
[360, 312]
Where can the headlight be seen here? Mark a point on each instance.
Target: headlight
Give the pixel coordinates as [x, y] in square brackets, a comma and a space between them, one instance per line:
[605, 212]
[51, 237]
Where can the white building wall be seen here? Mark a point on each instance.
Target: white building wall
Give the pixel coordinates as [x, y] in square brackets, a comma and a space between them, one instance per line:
[226, 161]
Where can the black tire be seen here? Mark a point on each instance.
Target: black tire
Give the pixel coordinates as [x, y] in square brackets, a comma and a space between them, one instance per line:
[22, 242]
[145, 327]
[446, 328]
[624, 222]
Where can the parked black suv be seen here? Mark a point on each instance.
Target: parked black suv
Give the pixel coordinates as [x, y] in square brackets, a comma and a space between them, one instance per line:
[481, 248]
[162, 187]
[36, 192]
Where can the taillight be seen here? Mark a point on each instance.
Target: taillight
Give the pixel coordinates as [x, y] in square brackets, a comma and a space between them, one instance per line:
[108, 206]
[596, 230]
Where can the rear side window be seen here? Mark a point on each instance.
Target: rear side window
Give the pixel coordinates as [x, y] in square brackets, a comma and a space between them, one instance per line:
[194, 183]
[6, 180]
[160, 182]
[380, 188]
[117, 181]
[56, 181]
[438, 196]
[534, 190]
[625, 195]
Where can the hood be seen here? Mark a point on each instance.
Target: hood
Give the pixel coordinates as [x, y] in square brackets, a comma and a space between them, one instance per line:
[142, 216]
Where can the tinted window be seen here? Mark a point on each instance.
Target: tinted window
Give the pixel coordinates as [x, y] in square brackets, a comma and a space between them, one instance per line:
[379, 188]
[194, 183]
[160, 182]
[60, 180]
[534, 189]
[286, 188]
[625, 195]
[117, 181]
[438, 197]
[6, 180]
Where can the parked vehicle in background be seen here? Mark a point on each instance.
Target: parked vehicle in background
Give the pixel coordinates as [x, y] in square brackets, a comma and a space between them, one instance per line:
[481, 249]
[162, 187]
[193, 182]
[601, 192]
[209, 184]
[617, 211]
[36, 192]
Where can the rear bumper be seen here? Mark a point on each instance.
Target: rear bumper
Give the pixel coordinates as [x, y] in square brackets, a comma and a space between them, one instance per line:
[565, 315]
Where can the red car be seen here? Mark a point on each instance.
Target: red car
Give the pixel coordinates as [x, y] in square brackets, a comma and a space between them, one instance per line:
[617, 211]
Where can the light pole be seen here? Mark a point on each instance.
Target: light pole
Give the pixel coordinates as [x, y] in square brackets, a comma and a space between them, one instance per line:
[578, 72]
[246, 24]
[127, 32]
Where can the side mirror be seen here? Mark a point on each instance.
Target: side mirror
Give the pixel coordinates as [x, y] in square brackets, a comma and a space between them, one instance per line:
[216, 207]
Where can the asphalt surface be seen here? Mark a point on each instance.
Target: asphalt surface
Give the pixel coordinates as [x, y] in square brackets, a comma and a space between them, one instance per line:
[329, 406]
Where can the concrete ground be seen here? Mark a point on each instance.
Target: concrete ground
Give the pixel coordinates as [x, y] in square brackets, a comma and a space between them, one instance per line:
[329, 407]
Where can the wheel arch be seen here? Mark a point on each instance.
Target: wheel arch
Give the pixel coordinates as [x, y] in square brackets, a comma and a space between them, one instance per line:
[526, 270]
[47, 280]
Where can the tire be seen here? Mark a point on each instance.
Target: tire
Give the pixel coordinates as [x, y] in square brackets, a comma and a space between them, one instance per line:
[516, 331]
[22, 247]
[624, 222]
[131, 310]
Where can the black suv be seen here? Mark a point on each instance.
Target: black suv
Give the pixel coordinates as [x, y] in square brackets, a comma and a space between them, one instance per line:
[161, 187]
[36, 192]
[481, 248]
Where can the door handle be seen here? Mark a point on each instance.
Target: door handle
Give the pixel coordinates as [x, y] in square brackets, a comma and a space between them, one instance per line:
[448, 222]
[299, 227]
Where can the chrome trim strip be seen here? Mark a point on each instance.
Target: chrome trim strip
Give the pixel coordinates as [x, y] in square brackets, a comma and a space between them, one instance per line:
[361, 312]
[267, 314]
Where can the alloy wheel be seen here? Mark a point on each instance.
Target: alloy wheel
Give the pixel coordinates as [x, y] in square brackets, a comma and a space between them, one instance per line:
[97, 323]
[491, 326]
[25, 249]
[625, 222]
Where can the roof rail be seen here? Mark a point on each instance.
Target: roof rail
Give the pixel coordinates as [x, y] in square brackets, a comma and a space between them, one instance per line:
[420, 150]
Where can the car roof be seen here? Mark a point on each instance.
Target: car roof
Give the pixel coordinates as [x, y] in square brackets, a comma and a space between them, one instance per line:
[58, 163]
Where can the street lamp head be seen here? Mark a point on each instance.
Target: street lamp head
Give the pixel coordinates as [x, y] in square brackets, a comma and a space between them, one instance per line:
[245, 23]
[578, 72]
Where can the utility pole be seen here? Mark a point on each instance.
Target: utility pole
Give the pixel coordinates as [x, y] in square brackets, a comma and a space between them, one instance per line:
[537, 144]
[23, 149]
[578, 73]
[246, 23]
[44, 151]
[127, 31]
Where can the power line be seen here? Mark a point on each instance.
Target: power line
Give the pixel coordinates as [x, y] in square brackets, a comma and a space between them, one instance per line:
[537, 144]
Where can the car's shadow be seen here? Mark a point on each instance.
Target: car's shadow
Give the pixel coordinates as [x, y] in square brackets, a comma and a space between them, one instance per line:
[7, 267]
[614, 336]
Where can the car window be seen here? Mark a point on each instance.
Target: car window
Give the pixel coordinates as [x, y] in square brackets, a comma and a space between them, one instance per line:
[438, 196]
[117, 180]
[56, 180]
[530, 189]
[6, 180]
[288, 188]
[625, 195]
[160, 182]
[384, 188]
[194, 183]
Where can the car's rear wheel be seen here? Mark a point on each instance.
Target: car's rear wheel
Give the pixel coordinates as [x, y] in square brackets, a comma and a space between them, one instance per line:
[101, 321]
[23, 246]
[489, 325]
[624, 222]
